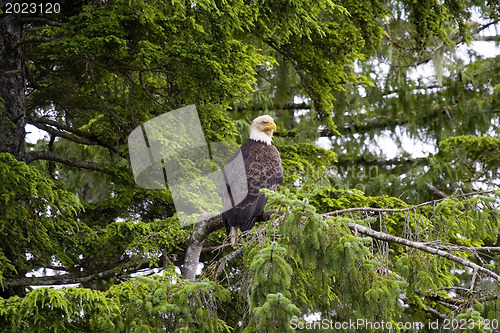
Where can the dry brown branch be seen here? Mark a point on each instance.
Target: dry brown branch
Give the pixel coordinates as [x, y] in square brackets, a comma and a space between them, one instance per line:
[421, 246]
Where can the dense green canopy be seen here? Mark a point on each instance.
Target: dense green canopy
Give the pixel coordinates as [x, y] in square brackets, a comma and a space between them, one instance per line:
[356, 233]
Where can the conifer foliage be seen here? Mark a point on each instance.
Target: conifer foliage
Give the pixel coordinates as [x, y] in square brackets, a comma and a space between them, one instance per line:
[358, 233]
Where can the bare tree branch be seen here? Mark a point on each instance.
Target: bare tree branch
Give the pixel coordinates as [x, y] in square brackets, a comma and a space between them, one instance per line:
[466, 248]
[421, 246]
[65, 135]
[433, 312]
[436, 191]
[201, 231]
[51, 156]
[66, 132]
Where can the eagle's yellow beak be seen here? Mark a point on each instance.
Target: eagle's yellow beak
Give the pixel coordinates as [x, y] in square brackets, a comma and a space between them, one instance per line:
[271, 125]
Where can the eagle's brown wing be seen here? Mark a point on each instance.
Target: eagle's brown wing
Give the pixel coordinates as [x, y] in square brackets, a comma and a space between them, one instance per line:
[263, 169]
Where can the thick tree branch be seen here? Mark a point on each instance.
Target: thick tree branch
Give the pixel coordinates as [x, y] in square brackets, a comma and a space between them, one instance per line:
[436, 191]
[50, 156]
[65, 135]
[436, 314]
[421, 246]
[202, 230]
[66, 132]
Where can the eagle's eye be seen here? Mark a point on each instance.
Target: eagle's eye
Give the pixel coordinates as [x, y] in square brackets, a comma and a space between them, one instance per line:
[264, 123]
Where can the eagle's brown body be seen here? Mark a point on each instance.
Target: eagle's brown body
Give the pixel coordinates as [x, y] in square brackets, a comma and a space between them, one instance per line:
[263, 169]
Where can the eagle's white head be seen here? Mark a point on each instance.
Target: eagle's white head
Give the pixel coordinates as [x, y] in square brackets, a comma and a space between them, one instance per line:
[262, 129]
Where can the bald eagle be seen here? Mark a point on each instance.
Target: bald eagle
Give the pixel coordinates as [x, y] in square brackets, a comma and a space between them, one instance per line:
[263, 169]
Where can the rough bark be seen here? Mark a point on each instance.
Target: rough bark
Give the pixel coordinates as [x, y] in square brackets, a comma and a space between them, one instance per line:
[12, 86]
[423, 247]
[202, 230]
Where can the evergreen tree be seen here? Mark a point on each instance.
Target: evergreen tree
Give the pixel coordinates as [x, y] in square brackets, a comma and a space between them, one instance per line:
[353, 235]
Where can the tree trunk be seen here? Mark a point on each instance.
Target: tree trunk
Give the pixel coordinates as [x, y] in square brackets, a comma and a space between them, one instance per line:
[12, 86]
[12, 102]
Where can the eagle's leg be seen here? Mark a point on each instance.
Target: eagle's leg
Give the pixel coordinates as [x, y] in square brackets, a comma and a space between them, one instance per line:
[234, 237]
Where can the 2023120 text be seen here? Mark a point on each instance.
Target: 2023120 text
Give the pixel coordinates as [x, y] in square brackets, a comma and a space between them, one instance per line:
[32, 8]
